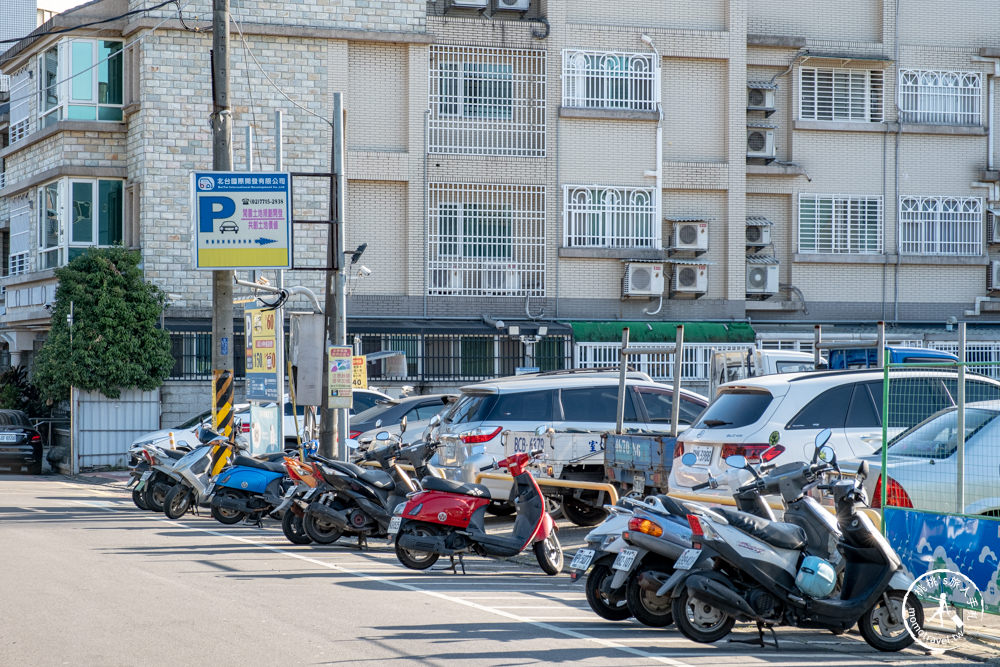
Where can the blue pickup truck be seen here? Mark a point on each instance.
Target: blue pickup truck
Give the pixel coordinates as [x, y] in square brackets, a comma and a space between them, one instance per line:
[638, 462]
[868, 357]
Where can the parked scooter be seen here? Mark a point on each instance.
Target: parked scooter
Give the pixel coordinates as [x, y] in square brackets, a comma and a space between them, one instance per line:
[292, 506]
[195, 470]
[448, 517]
[153, 475]
[748, 569]
[249, 489]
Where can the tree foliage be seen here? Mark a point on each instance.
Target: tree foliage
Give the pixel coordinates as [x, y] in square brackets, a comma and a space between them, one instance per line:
[17, 393]
[115, 342]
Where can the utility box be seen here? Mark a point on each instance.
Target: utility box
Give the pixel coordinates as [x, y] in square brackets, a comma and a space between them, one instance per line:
[307, 347]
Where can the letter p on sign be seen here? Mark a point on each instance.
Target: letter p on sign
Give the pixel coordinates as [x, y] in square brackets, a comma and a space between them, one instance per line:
[211, 209]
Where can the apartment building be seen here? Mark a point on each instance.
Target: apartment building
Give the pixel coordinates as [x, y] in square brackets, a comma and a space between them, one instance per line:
[523, 169]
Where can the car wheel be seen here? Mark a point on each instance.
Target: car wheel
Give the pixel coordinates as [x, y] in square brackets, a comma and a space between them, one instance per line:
[500, 508]
[581, 513]
[35, 469]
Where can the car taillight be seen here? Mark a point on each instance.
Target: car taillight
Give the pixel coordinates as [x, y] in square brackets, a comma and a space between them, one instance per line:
[753, 453]
[644, 526]
[678, 450]
[245, 427]
[354, 434]
[36, 438]
[895, 495]
[480, 435]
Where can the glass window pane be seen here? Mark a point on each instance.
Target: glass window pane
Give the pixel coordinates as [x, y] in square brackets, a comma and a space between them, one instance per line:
[109, 113]
[595, 404]
[110, 215]
[50, 79]
[828, 410]
[50, 216]
[82, 61]
[82, 222]
[109, 73]
[77, 112]
[524, 406]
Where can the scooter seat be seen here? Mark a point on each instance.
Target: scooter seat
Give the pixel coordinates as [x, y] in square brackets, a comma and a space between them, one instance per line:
[174, 454]
[257, 463]
[775, 533]
[377, 478]
[673, 507]
[448, 486]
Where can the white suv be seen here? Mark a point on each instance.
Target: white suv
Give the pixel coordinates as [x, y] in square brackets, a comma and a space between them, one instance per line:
[749, 416]
[580, 399]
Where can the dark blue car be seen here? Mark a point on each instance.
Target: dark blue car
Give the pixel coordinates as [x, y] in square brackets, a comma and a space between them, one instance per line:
[20, 442]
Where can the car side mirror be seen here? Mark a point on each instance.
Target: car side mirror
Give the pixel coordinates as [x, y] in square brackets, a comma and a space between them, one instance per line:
[736, 461]
[689, 459]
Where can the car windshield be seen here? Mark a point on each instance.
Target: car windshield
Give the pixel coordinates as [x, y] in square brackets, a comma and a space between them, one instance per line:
[734, 408]
[374, 412]
[937, 438]
[197, 419]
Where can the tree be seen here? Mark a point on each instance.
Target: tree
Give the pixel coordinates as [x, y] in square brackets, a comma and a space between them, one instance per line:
[17, 393]
[115, 342]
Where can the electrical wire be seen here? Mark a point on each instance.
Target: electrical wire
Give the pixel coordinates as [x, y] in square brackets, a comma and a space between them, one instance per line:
[12, 40]
[250, 98]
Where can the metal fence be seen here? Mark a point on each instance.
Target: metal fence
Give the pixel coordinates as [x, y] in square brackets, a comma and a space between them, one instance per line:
[938, 480]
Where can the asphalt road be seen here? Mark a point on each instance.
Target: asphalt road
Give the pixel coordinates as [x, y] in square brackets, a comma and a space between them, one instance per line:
[88, 579]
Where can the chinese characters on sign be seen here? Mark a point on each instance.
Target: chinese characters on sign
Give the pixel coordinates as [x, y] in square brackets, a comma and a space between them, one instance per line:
[360, 373]
[262, 354]
[341, 368]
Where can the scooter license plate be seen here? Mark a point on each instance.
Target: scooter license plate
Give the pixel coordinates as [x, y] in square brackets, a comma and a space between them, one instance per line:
[625, 559]
[581, 560]
[394, 524]
[142, 480]
[289, 492]
[309, 493]
[687, 559]
[209, 489]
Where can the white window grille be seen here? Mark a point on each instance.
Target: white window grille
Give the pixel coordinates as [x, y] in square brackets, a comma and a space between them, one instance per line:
[20, 230]
[840, 224]
[486, 240]
[4, 83]
[980, 352]
[840, 94]
[610, 80]
[487, 101]
[940, 98]
[797, 345]
[695, 365]
[941, 225]
[20, 106]
[611, 217]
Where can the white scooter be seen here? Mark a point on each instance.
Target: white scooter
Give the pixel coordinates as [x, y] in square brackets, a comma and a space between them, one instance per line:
[194, 472]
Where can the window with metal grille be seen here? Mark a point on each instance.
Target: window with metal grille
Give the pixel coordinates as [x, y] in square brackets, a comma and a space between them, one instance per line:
[940, 98]
[487, 101]
[695, 364]
[840, 94]
[610, 217]
[609, 80]
[20, 105]
[192, 352]
[486, 240]
[20, 231]
[840, 224]
[941, 225]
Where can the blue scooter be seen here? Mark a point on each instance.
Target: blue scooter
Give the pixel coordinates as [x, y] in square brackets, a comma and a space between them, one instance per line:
[249, 489]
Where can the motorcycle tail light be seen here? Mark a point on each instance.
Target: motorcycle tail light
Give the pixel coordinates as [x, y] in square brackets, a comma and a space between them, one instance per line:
[895, 495]
[644, 526]
[761, 453]
[354, 434]
[480, 435]
[678, 450]
[695, 524]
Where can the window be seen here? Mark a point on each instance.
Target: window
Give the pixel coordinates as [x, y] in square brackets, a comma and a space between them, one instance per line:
[610, 80]
[659, 406]
[611, 217]
[840, 224]
[840, 94]
[828, 410]
[81, 79]
[486, 240]
[735, 408]
[940, 98]
[938, 438]
[75, 215]
[596, 404]
[50, 233]
[487, 101]
[941, 225]
[21, 92]
[524, 406]
[20, 236]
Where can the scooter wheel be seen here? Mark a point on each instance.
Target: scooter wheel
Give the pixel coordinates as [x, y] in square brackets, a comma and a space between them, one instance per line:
[417, 560]
[138, 499]
[649, 609]
[884, 625]
[549, 554]
[604, 606]
[291, 526]
[699, 621]
[320, 531]
[226, 516]
[177, 502]
[155, 492]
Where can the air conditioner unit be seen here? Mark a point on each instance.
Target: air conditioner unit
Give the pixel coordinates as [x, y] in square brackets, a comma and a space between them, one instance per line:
[478, 4]
[762, 278]
[759, 99]
[518, 5]
[690, 236]
[643, 279]
[758, 235]
[994, 282]
[445, 281]
[760, 142]
[691, 278]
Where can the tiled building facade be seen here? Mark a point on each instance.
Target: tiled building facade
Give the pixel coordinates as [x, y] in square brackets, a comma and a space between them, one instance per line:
[510, 164]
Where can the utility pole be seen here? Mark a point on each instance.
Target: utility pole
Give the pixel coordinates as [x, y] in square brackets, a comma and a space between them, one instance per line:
[334, 421]
[222, 281]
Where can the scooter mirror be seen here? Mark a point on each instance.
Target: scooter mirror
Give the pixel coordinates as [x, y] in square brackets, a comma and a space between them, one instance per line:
[402, 426]
[736, 461]
[863, 470]
[382, 436]
[823, 436]
[435, 420]
[541, 429]
[689, 459]
[827, 455]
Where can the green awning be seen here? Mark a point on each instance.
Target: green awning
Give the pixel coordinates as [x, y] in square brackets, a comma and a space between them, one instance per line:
[663, 332]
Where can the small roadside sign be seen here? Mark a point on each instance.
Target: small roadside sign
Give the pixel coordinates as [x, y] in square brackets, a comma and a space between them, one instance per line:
[241, 220]
[340, 365]
[262, 354]
[360, 375]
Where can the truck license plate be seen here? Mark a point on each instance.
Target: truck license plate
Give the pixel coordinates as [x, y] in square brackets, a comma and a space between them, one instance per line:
[581, 561]
[394, 524]
[625, 559]
[687, 559]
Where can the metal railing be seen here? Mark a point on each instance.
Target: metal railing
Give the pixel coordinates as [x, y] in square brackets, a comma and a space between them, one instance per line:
[940, 97]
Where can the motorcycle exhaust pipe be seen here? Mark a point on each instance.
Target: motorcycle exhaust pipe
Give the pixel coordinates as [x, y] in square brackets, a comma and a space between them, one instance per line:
[337, 517]
[720, 597]
[237, 505]
[650, 580]
[419, 543]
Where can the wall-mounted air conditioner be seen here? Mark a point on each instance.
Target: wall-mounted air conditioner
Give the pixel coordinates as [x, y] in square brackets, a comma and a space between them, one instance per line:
[517, 5]
[758, 235]
[643, 279]
[690, 236]
[994, 281]
[690, 278]
[760, 99]
[762, 278]
[477, 4]
[760, 141]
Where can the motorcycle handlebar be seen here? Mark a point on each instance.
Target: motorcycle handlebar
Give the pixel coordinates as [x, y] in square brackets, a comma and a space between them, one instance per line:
[699, 487]
[489, 467]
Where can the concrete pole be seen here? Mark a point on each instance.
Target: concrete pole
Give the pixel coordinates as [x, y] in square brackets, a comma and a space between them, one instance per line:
[340, 314]
[222, 281]
[960, 425]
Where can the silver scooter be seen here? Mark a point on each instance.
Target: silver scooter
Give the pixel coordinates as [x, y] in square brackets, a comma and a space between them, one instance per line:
[194, 472]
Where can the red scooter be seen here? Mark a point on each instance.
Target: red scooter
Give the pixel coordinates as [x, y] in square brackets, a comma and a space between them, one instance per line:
[447, 518]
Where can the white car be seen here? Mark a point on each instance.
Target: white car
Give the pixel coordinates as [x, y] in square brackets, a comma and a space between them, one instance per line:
[363, 399]
[776, 418]
[186, 433]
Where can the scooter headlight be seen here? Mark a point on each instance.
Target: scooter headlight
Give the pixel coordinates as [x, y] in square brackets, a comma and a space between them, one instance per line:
[399, 508]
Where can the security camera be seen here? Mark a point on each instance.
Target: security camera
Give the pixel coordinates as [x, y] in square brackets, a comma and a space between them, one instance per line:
[48, 307]
[364, 271]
